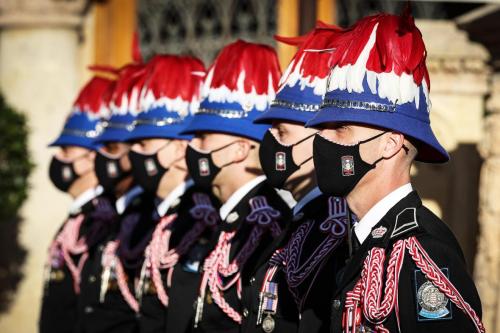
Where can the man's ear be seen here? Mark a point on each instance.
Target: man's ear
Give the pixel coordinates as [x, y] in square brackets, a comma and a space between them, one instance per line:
[242, 149]
[393, 144]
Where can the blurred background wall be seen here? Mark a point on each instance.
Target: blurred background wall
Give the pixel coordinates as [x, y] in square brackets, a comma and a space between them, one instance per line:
[46, 45]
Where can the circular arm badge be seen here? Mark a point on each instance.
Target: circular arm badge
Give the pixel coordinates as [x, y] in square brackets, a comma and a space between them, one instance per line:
[432, 304]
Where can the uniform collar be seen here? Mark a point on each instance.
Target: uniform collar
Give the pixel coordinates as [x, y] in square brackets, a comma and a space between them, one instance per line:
[84, 198]
[125, 200]
[310, 196]
[287, 197]
[236, 197]
[363, 228]
[173, 196]
[399, 222]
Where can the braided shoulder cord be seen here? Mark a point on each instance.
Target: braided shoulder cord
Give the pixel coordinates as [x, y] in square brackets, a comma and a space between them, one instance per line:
[264, 217]
[366, 293]
[433, 273]
[157, 248]
[210, 275]
[68, 242]
[110, 260]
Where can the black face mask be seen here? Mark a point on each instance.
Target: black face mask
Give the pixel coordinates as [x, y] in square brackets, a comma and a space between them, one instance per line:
[62, 174]
[338, 167]
[201, 166]
[277, 161]
[109, 172]
[147, 169]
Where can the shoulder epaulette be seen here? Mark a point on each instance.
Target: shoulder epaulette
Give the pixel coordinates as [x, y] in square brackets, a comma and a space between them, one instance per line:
[406, 220]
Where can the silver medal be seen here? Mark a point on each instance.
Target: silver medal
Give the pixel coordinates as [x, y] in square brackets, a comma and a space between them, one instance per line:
[268, 324]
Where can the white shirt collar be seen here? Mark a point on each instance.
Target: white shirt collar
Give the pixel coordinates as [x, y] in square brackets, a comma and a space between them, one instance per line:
[84, 198]
[378, 211]
[125, 200]
[236, 197]
[287, 197]
[310, 196]
[175, 194]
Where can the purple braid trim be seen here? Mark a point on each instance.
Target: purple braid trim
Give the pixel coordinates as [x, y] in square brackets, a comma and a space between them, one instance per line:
[335, 225]
[130, 256]
[203, 209]
[293, 249]
[296, 276]
[250, 246]
[103, 218]
[206, 216]
[264, 217]
[262, 214]
[190, 237]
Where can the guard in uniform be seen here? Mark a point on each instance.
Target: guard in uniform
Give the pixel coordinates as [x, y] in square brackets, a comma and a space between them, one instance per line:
[407, 271]
[294, 290]
[186, 215]
[72, 171]
[107, 302]
[224, 156]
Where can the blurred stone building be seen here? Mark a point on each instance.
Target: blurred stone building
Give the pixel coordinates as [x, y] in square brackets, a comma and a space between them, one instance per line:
[46, 45]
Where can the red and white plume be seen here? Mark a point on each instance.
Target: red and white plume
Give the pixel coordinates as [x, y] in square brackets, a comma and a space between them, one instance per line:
[125, 98]
[94, 98]
[389, 51]
[311, 64]
[136, 48]
[236, 76]
[173, 82]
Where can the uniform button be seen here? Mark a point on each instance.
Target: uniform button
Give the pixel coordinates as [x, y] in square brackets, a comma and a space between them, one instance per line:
[232, 217]
[92, 279]
[245, 313]
[89, 309]
[252, 280]
[336, 304]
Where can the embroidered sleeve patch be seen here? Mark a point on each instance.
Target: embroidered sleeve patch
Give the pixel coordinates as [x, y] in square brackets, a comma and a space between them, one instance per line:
[432, 304]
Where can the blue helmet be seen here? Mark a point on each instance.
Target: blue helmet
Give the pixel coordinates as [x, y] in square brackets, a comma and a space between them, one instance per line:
[379, 78]
[303, 84]
[239, 86]
[83, 123]
[124, 104]
[170, 95]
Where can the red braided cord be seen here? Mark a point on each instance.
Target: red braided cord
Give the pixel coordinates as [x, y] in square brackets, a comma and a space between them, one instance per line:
[375, 310]
[158, 254]
[69, 243]
[221, 301]
[211, 274]
[217, 263]
[172, 256]
[75, 270]
[352, 312]
[368, 289]
[159, 246]
[380, 328]
[110, 259]
[243, 255]
[433, 273]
